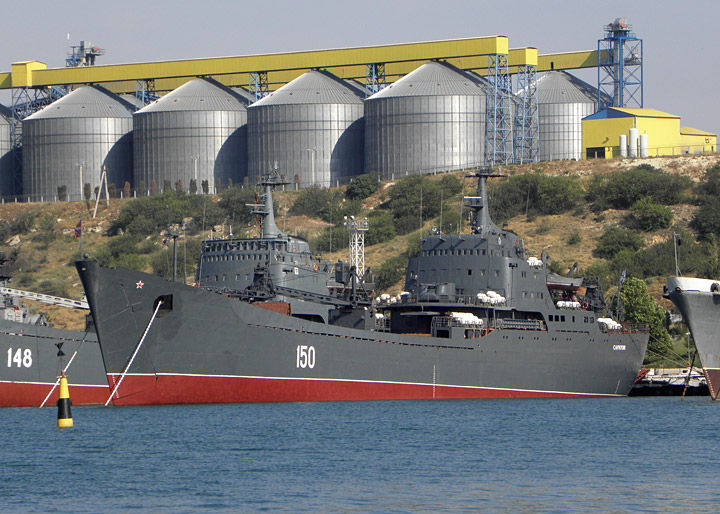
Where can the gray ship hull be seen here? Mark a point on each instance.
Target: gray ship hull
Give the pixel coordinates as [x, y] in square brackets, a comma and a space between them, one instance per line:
[699, 304]
[204, 347]
[30, 365]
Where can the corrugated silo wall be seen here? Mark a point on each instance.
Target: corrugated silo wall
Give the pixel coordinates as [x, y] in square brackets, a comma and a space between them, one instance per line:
[560, 130]
[7, 182]
[424, 134]
[55, 148]
[167, 143]
[287, 134]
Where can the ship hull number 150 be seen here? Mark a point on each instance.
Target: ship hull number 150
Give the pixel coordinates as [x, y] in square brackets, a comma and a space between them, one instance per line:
[305, 356]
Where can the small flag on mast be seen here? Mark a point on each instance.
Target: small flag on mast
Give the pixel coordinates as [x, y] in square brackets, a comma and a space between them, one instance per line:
[78, 229]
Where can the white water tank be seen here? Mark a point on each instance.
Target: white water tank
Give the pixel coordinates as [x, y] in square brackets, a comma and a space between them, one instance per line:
[623, 145]
[633, 142]
[644, 145]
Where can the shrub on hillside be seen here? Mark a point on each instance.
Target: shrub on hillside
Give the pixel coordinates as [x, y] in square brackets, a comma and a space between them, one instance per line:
[362, 186]
[623, 188]
[419, 197]
[616, 239]
[533, 194]
[380, 227]
[706, 221]
[651, 216]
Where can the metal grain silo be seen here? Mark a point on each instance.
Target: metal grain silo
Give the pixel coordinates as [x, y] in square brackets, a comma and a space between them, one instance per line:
[67, 144]
[311, 127]
[196, 132]
[433, 119]
[563, 101]
[7, 180]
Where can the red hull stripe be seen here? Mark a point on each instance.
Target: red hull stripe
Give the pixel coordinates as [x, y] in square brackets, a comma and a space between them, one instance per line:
[170, 388]
[712, 376]
[32, 394]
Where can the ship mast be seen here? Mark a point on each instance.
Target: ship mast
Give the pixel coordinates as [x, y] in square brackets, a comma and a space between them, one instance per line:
[268, 228]
[482, 224]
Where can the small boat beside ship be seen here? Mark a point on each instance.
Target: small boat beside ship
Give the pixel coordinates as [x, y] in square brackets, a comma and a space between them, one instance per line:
[698, 300]
[479, 319]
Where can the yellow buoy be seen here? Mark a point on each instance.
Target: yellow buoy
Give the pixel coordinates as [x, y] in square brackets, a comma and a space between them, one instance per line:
[63, 404]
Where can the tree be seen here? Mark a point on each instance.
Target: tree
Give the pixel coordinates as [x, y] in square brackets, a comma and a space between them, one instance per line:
[153, 187]
[193, 186]
[205, 187]
[62, 193]
[641, 308]
[390, 272]
[126, 189]
[87, 191]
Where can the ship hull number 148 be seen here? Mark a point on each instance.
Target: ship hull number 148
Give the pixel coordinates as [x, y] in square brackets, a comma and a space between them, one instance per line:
[305, 356]
[19, 358]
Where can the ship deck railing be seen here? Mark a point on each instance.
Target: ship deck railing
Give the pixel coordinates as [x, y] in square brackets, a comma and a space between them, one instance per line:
[627, 328]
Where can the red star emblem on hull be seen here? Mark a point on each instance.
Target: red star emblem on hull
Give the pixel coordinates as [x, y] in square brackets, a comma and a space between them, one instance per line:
[139, 284]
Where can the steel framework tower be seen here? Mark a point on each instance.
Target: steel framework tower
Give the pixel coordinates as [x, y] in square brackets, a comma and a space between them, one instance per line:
[145, 91]
[374, 78]
[526, 136]
[357, 229]
[620, 70]
[259, 84]
[498, 123]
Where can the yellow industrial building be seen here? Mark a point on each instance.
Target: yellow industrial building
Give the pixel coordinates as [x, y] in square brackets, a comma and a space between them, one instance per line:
[619, 132]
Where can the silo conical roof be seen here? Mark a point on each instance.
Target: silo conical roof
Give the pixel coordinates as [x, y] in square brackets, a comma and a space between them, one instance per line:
[86, 102]
[200, 94]
[559, 87]
[433, 79]
[313, 87]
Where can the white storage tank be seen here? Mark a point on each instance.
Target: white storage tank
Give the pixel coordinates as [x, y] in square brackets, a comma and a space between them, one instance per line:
[623, 145]
[633, 142]
[67, 144]
[644, 145]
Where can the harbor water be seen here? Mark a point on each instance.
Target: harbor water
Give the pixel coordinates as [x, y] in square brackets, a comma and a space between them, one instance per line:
[575, 455]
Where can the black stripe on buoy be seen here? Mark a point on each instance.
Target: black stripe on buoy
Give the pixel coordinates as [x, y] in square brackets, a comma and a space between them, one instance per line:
[64, 419]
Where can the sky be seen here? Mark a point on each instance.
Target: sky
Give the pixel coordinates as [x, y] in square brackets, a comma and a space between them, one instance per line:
[680, 40]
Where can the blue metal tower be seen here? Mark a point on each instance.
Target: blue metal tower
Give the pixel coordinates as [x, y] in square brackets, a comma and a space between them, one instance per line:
[498, 148]
[526, 132]
[374, 78]
[258, 84]
[620, 70]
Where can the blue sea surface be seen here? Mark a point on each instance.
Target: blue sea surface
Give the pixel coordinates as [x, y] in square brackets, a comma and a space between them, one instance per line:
[562, 455]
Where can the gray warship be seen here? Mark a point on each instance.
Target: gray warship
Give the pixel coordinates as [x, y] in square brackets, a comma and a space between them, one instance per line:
[478, 319]
[36, 353]
[698, 300]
